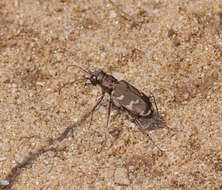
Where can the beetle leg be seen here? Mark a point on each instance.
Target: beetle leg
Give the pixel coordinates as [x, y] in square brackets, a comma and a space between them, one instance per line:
[152, 96]
[94, 107]
[107, 122]
[144, 132]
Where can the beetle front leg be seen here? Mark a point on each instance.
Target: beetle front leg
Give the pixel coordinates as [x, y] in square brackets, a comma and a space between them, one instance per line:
[96, 105]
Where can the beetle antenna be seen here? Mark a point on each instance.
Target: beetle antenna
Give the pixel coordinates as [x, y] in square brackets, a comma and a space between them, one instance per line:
[85, 71]
[69, 84]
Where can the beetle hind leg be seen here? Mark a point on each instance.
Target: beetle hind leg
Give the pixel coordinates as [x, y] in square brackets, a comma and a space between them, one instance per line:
[144, 132]
[158, 114]
[154, 99]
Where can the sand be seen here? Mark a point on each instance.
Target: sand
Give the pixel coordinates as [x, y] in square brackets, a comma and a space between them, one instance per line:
[172, 49]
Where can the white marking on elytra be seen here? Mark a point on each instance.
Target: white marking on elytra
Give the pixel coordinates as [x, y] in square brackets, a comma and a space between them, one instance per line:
[146, 114]
[116, 103]
[130, 106]
[120, 97]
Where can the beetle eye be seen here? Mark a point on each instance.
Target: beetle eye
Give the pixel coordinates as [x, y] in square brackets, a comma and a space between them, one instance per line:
[93, 79]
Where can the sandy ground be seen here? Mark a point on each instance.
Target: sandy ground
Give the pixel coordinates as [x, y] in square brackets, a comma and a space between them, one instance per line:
[170, 48]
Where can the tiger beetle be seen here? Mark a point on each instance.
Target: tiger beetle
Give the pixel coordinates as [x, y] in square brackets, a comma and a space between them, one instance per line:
[127, 98]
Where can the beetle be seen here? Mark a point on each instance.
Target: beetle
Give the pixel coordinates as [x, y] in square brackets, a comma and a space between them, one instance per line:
[127, 98]
[122, 95]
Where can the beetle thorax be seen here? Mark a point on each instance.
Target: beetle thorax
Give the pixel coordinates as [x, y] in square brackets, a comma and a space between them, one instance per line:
[105, 81]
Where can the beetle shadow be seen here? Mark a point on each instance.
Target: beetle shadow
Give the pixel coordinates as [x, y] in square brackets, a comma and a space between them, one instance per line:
[154, 122]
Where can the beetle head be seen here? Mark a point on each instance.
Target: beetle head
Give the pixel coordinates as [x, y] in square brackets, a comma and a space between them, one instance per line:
[96, 77]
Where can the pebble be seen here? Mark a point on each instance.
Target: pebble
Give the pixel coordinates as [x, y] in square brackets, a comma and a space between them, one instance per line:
[113, 14]
[2, 158]
[121, 176]
[4, 182]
